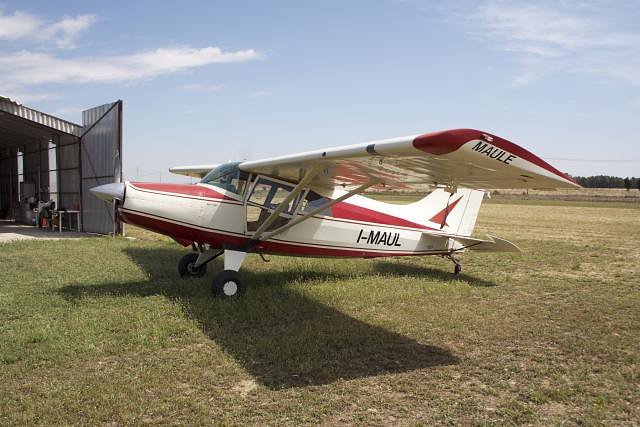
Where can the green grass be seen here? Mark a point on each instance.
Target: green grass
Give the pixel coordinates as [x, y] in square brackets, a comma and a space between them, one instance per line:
[102, 331]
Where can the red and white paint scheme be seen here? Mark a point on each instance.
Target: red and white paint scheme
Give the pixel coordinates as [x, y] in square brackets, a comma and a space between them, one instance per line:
[310, 204]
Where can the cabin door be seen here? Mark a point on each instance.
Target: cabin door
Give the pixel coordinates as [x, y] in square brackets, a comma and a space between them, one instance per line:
[264, 196]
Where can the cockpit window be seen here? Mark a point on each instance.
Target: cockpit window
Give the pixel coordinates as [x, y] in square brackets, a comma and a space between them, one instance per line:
[228, 177]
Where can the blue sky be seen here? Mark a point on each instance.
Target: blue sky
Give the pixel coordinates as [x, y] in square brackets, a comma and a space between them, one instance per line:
[207, 82]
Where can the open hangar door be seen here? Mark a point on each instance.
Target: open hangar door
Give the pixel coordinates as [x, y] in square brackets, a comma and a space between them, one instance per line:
[101, 163]
[43, 157]
[29, 161]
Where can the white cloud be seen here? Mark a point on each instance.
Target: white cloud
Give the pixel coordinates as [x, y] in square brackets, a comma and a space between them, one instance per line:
[17, 26]
[196, 87]
[259, 94]
[29, 68]
[36, 65]
[65, 32]
[551, 39]
[22, 26]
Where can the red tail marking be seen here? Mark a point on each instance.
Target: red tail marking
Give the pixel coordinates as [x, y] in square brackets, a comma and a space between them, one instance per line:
[441, 217]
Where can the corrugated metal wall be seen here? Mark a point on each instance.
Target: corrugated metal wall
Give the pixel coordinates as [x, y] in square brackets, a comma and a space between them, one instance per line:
[101, 163]
[39, 117]
[68, 158]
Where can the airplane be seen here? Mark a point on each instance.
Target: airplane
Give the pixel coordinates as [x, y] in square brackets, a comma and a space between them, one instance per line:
[311, 204]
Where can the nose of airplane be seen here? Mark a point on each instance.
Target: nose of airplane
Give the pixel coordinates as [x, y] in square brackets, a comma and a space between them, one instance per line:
[109, 192]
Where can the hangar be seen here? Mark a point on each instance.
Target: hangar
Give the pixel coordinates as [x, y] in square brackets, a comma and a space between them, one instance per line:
[45, 158]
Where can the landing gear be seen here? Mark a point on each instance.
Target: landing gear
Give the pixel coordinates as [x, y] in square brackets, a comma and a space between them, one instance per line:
[457, 269]
[227, 284]
[186, 266]
[457, 266]
[194, 264]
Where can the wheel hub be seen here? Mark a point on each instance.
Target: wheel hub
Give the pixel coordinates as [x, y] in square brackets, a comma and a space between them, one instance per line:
[230, 288]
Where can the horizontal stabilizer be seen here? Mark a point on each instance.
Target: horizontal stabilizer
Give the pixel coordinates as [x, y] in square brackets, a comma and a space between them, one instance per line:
[496, 244]
[491, 244]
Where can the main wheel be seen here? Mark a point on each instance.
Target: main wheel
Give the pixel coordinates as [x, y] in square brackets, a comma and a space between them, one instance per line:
[227, 284]
[186, 266]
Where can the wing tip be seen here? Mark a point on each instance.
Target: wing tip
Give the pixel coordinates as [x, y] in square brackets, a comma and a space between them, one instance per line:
[447, 141]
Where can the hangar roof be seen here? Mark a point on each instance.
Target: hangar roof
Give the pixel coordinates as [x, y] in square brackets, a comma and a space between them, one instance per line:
[20, 125]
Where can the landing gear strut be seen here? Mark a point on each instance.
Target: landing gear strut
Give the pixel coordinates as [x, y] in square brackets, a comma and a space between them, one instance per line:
[194, 264]
[457, 266]
[227, 284]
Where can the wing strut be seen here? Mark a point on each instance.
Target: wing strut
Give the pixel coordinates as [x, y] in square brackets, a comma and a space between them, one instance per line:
[308, 176]
[299, 219]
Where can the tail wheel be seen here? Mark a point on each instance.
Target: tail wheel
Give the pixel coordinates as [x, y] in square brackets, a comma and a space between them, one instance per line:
[186, 266]
[457, 269]
[228, 285]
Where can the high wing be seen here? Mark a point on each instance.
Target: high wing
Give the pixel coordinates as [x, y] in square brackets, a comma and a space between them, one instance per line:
[196, 171]
[460, 157]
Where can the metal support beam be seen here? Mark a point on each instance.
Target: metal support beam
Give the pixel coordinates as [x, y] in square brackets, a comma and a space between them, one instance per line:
[206, 256]
[298, 220]
[309, 175]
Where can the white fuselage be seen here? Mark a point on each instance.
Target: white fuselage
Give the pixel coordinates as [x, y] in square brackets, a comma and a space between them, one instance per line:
[359, 227]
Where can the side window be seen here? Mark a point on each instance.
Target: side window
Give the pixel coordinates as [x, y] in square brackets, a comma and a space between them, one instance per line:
[238, 183]
[314, 201]
[266, 195]
[260, 194]
[270, 194]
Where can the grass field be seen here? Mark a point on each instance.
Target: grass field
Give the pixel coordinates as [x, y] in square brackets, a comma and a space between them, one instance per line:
[101, 331]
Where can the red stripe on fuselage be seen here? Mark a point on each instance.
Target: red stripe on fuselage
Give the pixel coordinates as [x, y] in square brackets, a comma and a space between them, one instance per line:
[184, 232]
[344, 210]
[219, 240]
[182, 189]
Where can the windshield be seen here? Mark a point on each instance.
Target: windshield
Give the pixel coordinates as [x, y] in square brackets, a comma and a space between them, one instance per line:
[228, 177]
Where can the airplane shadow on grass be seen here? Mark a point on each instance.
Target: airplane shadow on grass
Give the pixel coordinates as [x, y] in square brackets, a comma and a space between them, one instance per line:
[392, 268]
[282, 338]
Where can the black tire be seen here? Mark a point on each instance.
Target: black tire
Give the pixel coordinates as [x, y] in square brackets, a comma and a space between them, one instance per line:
[185, 266]
[228, 285]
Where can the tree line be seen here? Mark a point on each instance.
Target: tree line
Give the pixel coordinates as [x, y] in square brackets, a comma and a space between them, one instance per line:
[606, 181]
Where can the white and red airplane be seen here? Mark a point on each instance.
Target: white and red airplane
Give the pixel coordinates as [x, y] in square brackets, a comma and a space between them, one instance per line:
[310, 204]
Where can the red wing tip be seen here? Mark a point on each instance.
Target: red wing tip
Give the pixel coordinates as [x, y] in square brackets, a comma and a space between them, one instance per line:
[445, 141]
[448, 141]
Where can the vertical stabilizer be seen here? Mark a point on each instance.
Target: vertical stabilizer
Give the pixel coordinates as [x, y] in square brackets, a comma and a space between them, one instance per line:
[453, 213]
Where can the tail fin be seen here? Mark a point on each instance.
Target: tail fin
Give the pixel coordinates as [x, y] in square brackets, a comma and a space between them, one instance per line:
[453, 213]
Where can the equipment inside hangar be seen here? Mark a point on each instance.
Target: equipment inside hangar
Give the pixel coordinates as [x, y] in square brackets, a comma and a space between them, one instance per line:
[48, 161]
